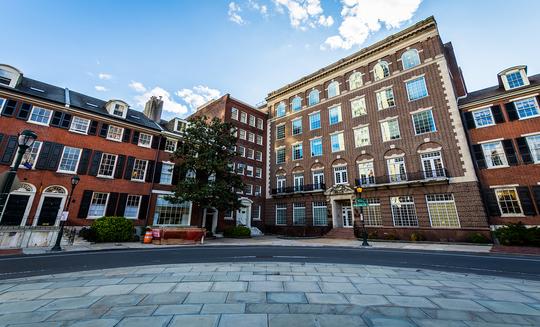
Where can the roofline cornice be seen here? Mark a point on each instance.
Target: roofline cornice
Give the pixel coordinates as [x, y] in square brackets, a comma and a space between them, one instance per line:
[491, 99]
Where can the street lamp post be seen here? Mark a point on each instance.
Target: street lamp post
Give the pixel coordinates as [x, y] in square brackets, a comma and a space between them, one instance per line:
[25, 140]
[74, 181]
[364, 230]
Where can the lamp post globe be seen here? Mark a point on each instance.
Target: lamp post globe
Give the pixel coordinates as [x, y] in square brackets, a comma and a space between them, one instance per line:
[26, 138]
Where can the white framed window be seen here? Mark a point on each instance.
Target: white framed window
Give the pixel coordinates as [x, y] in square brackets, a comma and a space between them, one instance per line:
[337, 142]
[366, 173]
[241, 151]
[318, 179]
[314, 121]
[403, 211]
[234, 113]
[79, 125]
[334, 115]
[243, 134]
[251, 137]
[259, 139]
[416, 88]
[133, 204]
[340, 175]
[483, 117]
[249, 171]
[358, 107]
[514, 79]
[534, 147]
[258, 172]
[250, 153]
[316, 147]
[297, 152]
[508, 201]
[2, 102]
[256, 212]
[118, 110]
[333, 89]
[390, 130]
[98, 204]
[280, 155]
[166, 173]
[355, 81]
[423, 122]
[169, 213]
[170, 145]
[320, 214]
[281, 214]
[442, 210]
[240, 168]
[410, 59]
[107, 165]
[243, 117]
[280, 131]
[180, 126]
[40, 116]
[298, 182]
[313, 97]
[372, 214]
[281, 183]
[297, 126]
[361, 136]
[432, 164]
[258, 190]
[260, 124]
[115, 133]
[252, 120]
[281, 110]
[396, 169]
[527, 108]
[248, 189]
[296, 103]
[494, 154]
[228, 215]
[29, 158]
[299, 213]
[385, 99]
[381, 70]
[70, 160]
[139, 170]
[145, 140]
[258, 155]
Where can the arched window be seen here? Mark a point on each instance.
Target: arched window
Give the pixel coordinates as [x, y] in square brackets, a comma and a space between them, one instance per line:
[381, 70]
[313, 97]
[410, 59]
[333, 89]
[296, 103]
[355, 81]
[55, 189]
[280, 109]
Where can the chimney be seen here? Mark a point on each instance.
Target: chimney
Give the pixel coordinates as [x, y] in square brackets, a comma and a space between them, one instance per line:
[153, 108]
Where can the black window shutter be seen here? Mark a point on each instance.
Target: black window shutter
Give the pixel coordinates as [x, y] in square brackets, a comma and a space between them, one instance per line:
[56, 119]
[121, 207]
[104, 129]
[143, 207]
[93, 128]
[135, 139]
[479, 156]
[497, 114]
[150, 171]
[1, 138]
[129, 167]
[96, 160]
[9, 108]
[127, 135]
[536, 192]
[85, 204]
[54, 157]
[111, 204]
[162, 142]
[119, 170]
[9, 152]
[492, 205]
[469, 120]
[157, 175]
[511, 111]
[526, 200]
[510, 152]
[24, 111]
[66, 121]
[44, 154]
[524, 150]
[155, 142]
[175, 175]
[84, 162]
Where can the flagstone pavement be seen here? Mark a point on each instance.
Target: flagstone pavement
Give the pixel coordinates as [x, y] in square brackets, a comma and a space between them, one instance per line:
[268, 295]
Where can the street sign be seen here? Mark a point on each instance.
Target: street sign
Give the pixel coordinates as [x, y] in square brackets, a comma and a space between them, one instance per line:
[360, 203]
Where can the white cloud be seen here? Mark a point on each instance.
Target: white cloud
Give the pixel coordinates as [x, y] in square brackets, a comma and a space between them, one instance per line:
[137, 86]
[304, 13]
[169, 103]
[198, 96]
[362, 17]
[104, 76]
[234, 15]
[254, 5]
[100, 88]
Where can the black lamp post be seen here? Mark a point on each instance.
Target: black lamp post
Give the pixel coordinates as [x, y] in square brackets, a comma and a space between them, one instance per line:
[364, 230]
[74, 181]
[25, 140]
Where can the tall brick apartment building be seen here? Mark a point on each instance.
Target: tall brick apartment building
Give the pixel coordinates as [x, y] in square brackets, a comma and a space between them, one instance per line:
[503, 122]
[250, 124]
[386, 119]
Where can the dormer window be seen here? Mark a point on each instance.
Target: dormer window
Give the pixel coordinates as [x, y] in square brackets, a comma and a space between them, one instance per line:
[119, 110]
[180, 126]
[9, 76]
[514, 77]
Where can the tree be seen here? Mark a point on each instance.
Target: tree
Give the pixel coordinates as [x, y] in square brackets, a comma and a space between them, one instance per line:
[205, 156]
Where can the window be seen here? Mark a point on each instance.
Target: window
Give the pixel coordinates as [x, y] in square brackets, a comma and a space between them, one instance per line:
[483, 117]
[115, 133]
[335, 115]
[381, 70]
[410, 59]
[423, 122]
[228, 214]
[355, 81]
[514, 79]
[256, 212]
[385, 99]
[260, 123]
[251, 120]
[281, 214]
[403, 211]
[243, 134]
[240, 168]
[361, 136]
[280, 109]
[280, 131]
[416, 89]
[316, 147]
[251, 137]
[534, 147]
[333, 89]
[30, 156]
[299, 214]
[139, 170]
[98, 205]
[2, 101]
[340, 175]
[258, 155]
[118, 110]
[396, 170]
[145, 140]
[296, 103]
[297, 152]
[432, 164]
[297, 126]
[494, 154]
[366, 173]
[258, 172]
[248, 189]
[281, 183]
[79, 125]
[318, 179]
[40, 115]
[314, 121]
[358, 107]
[106, 167]
[313, 97]
[132, 206]
[320, 214]
[250, 153]
[298, 182]
[166, 173]
[508, 201]
[249, 171]
[180, 126]
[527, 108]
[234, 113]
[241, 151]
[280, 155]
[372, 214]
[442, 210]
[390, 130]
[257, 190]
[337, 142]
[259, 140]
[170, 145]
[243, 117]
[168, 213]
[69, 160]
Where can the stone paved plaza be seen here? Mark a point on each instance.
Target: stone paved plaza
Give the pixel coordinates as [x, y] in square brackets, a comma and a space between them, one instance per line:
[268, 295]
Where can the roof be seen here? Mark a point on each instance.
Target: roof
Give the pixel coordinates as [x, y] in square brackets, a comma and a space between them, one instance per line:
[495, 91]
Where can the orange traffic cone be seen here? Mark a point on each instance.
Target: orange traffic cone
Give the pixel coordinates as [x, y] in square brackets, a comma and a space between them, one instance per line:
[148, 237]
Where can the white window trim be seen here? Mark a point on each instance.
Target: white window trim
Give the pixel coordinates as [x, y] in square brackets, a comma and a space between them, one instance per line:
[76, 165]
[354, 135]
[175, 145]
[37, 157]
[414, 127]
[106, 204]
[522, 214]
[455, 208]
[166, 163]
[76, 131]
[503, 153]
[121, 134]
[258, 213]
[145, 171]
[39, 123]
[114, 167]
[138, 207]
[535, 103]
[144, 145]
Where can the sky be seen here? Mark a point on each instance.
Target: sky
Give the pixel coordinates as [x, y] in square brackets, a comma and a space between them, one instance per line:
[192, 51]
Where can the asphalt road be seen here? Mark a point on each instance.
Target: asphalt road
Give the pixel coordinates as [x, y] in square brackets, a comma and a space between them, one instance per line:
[527, 267]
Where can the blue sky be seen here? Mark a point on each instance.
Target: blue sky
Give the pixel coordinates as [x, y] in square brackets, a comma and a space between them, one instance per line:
[191, 51]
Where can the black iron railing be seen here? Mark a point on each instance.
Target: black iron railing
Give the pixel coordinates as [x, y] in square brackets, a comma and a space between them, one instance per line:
[423, 175]
[299, 189]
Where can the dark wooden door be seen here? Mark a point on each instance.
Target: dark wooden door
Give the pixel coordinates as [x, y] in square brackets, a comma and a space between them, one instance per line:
[49, 211]
[15, 208]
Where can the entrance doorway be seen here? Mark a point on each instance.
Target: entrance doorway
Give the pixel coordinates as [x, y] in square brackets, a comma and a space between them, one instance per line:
[18, 206]
[346, 214]
[210, 220]
[50, 206]
[243, 215]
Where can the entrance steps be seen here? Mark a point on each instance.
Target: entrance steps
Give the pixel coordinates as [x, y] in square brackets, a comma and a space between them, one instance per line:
[341, 233]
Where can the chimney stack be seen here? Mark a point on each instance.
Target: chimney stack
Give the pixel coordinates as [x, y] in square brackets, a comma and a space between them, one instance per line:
[153, 108]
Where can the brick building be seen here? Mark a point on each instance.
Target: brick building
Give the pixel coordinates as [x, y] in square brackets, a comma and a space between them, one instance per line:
[384, 118]
[250, 124]
[503, 124]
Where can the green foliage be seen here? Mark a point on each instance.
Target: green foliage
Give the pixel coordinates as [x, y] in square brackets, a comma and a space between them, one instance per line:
[237, 231]
[478, 238]
[113, 229]
[518, 234]
[88, 234]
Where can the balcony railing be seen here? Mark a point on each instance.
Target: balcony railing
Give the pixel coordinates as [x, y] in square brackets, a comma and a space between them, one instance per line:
[299, 189]
[419, 176]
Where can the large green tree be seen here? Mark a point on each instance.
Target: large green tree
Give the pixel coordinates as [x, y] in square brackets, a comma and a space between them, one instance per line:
[205, 155]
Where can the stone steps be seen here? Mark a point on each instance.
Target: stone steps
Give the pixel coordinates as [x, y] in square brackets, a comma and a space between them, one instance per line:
[341, 233]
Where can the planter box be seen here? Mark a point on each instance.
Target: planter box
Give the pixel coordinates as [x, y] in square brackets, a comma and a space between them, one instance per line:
[178, 235]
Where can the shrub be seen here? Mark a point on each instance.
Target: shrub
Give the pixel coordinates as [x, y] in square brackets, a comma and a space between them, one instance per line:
[417, 237]
[113, 229]
[389, 236]
[478, 238]
[88, 234]
[237, 231]
[518, 234]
